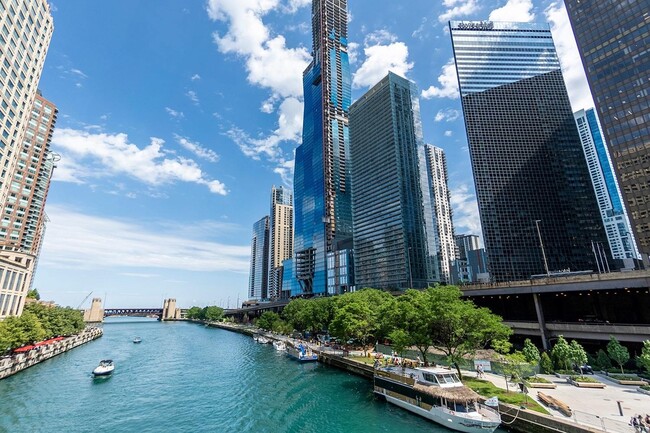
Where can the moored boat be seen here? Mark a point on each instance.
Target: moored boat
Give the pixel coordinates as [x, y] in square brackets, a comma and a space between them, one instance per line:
[438, 395]
[105, 368]
[279, 345]
[137, 340]
[301, 352]
[261, 339]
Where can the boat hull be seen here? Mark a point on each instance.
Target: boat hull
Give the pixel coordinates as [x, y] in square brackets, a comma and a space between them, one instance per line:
[301, 356]
[99, 373]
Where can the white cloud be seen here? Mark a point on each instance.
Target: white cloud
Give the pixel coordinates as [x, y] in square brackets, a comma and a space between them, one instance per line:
[175, 114]
[197, 149]
[195, 77]
[448, 83]
[514, 10]
[353, 52]
[447, 115]
[193, 96]
[99, 243]
[86, 155]
[78, 72]
[285, 170]
[383, 54]
[458, 8]
[572, 70]
[465, 206]
[448, 133]
[269, 63]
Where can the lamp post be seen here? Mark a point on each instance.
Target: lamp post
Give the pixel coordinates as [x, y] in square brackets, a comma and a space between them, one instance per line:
[541, 244]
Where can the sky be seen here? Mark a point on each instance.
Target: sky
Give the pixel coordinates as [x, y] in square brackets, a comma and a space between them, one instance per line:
[176, 118]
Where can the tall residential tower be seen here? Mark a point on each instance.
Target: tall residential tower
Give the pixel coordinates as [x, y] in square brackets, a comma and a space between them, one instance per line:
[322, 206]
[259, 270]
[394, 241]
[26, 123]
[280, 237]
[612, 37]
[612, 211]
[537, 206]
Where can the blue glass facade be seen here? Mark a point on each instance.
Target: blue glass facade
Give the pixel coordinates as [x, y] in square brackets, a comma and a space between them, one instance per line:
[322, 204]
[259, 269]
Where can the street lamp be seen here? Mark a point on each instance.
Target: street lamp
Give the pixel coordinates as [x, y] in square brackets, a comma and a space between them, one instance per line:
[541, 244]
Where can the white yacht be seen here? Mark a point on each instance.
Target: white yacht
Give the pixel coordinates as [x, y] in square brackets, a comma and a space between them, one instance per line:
[279, 345]
[261, 339]
[438, 395]
[105, 368]
[301, 352]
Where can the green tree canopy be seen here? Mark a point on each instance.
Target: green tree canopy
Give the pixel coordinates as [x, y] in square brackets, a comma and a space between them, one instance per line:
[356, 321]
[33, 294]
[194, 313]
[578, 355]
[530, 352]
[617, 352]
[561, 353]
[267, 320]
[644, 359]
[212, 313]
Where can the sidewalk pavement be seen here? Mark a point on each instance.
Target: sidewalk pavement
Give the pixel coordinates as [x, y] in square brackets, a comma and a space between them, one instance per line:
[599, 403]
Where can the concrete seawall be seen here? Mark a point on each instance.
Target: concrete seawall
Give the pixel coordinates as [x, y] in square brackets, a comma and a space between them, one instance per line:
[13, 364]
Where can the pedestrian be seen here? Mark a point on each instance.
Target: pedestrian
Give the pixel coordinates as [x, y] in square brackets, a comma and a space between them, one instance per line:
[479, 371]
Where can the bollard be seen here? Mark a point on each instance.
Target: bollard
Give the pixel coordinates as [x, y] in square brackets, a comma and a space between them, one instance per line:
[620, 409]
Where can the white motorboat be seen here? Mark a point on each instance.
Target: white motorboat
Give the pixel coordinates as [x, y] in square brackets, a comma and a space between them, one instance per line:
[279, 345]
[438, 395]
[105, 368]
[261, 339]
[301, 352]
[137, 340]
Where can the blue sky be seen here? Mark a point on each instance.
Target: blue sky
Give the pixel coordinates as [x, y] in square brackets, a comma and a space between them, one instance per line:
[177, 117]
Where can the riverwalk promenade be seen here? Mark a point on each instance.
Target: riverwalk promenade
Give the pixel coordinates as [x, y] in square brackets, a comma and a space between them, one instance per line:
[40, 352]
[592, 410]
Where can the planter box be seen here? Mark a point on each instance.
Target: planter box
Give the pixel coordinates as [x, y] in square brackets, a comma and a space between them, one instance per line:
[541, 385]
[639, 382]
[586, 384]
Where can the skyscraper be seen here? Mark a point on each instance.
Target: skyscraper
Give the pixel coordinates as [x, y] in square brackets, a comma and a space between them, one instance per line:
[529, 168]
[323, 214]
[394, 243]
[443, 228]
[612, 37]
[612, 212]
[259, 271]
[280, 237]
[25, 127]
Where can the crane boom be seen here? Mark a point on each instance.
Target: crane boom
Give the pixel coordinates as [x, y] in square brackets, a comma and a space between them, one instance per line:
[82, 302]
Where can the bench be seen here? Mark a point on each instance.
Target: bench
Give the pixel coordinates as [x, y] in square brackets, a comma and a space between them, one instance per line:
[554, 403]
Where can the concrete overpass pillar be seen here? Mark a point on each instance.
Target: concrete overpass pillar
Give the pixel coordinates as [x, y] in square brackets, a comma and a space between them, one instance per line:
[541, 321]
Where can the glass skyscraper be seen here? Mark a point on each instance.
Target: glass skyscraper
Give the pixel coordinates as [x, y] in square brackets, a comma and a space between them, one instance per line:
[259, 271]
[528, 164]
[613, 37]
[617, 225]
[322, 206]
[394, 243]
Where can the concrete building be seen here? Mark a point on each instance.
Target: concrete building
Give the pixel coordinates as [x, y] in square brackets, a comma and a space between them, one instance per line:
[259, 270]
[440, 199]
[170, 311]
[538, 209]
[26, 123]
[612, 211]
[95, 314]
[394, 240]
[322, 193]
[612, 37]
[280, 237]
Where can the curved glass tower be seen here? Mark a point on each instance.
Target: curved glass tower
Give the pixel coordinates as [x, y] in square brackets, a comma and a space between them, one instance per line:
[322, 206]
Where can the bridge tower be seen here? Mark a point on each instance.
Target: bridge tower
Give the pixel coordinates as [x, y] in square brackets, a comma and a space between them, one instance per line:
[170, 312]
[96, 313]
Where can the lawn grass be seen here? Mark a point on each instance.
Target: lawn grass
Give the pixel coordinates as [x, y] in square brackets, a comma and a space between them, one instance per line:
[363, 359]
[488, 389]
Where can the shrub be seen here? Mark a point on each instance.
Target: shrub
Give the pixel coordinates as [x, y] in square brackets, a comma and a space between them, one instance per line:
[537, 379]
[602, 360]
[584, 379]
[545, 363]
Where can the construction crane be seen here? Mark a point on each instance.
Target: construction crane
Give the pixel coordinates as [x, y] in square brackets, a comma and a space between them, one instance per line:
[82, 302]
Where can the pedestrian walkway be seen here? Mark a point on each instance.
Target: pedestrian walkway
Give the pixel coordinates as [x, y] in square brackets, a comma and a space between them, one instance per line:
[597, 407]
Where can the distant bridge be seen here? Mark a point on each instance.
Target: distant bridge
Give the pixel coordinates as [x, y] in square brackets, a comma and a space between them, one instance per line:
[133, 312]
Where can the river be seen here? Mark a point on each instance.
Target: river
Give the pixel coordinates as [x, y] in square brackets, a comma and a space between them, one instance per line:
[188, 378]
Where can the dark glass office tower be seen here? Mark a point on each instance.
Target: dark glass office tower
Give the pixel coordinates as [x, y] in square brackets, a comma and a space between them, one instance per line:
[259, 271]
[323, 214]
[394, 245]
[613, 37]
[529, 167]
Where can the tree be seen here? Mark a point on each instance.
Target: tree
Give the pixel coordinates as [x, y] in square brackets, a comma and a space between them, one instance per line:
[578, 356]
[617, 352]
[267, 320]
[643, 360]
[603, 360]
[212, 313]
[530, 352]
[545, 363]
[399, 341]
[516, 367]
[457, 327]
[561, 354]
[194, 313]
[33, 294]
[354, 321]
[411, 314]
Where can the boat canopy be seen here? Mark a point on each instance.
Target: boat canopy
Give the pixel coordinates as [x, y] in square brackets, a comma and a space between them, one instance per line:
[457, 394]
